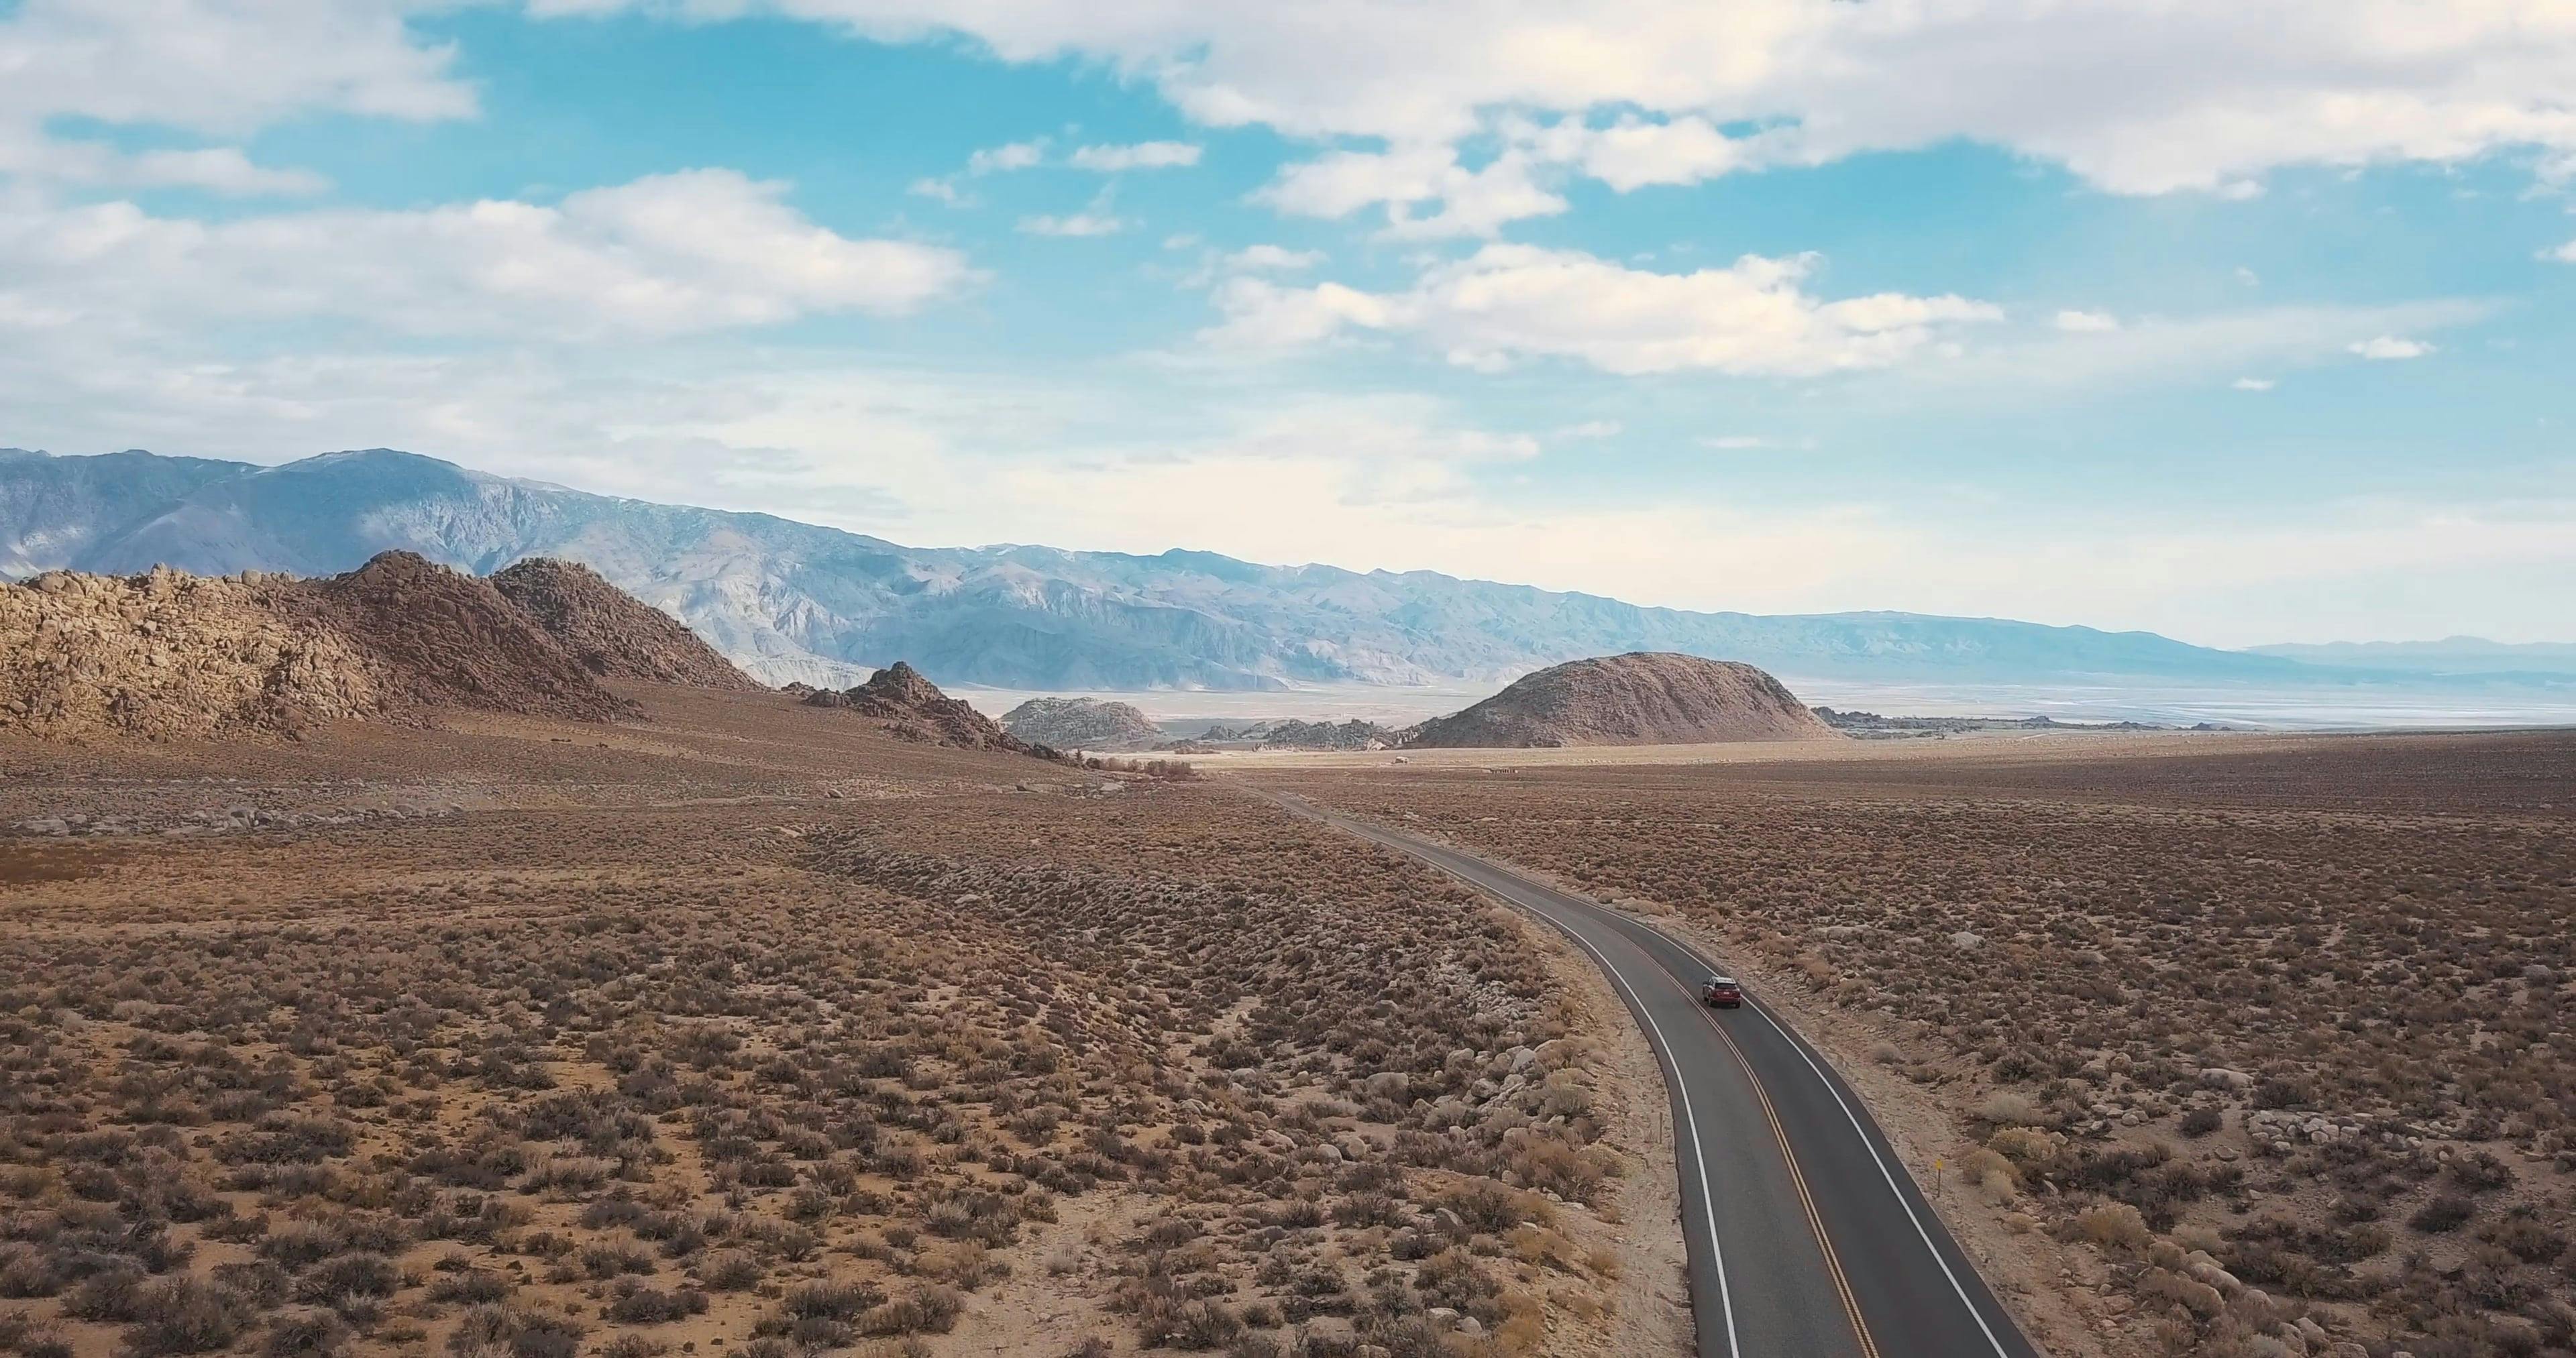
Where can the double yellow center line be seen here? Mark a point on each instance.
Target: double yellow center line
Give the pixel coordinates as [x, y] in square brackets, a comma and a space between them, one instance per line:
[1797, 1176]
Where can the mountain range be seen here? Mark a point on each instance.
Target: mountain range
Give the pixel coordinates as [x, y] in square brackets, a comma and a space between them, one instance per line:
[791, 601]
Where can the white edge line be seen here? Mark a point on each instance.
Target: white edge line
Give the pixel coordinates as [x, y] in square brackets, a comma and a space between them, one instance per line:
[1663, 1047]
[1854, 1118]
[1889, 1175]
[1866, 1144]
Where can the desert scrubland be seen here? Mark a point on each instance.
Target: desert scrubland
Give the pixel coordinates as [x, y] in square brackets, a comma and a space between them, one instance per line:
[2248, 1045]
[749, 1029]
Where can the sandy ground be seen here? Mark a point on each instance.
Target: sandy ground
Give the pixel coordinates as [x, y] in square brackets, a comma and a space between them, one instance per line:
[1643, 1228]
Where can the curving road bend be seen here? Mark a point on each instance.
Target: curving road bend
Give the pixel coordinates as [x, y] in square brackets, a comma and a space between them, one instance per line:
[1806, 1235]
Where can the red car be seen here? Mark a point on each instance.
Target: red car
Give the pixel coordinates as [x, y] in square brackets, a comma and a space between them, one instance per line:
[1722, 992]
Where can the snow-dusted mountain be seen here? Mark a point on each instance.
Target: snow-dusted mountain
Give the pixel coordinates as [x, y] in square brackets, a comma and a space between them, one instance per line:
[788, 600]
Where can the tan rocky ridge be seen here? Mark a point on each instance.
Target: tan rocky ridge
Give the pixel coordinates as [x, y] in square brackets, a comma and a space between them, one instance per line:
[168, 655]
[1082, 724]
[1641, 698]
[913, 708]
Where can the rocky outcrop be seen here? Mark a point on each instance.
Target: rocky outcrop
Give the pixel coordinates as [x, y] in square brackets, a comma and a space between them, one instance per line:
[1642, 698]
[913, 708]
[1082, 724]
[611, 632]
[447, 639]
[168, 655]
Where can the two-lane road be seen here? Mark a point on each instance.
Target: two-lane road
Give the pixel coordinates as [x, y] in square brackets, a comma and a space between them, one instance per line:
[1806, 1235]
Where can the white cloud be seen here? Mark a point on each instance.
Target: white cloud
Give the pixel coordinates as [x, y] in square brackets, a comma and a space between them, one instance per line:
[2565, 254]
[1732, 443]
[1150, 155]
[1085, 223]
[1591, 429]
[216, 169]
[667, 254]
[1406, 181]
[944, 190]
[1510, 302]
[2387, 347]
[209, 68]
[2253, 384]
[1279, 257]
[2135, 96]
[1018, 155]
[2087, 322]
[2182, 350]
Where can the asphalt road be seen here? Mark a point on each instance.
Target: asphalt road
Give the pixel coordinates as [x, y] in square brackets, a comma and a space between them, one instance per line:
[1806, 1234]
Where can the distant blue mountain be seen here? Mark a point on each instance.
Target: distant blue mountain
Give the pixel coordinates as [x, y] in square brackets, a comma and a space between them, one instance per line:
[788, 600]
[2449, 656]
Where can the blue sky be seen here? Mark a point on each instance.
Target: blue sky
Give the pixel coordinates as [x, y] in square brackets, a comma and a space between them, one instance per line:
[2239, 327]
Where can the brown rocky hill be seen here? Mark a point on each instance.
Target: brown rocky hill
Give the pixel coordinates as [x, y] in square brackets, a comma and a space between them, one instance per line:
[170, 656]
[913, 708]
[1082, 724]
[610, 631]
[1641, 698]
[447, 639]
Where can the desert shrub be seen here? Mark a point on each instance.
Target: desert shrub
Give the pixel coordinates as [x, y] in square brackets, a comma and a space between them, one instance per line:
[2443, 1213]
[2114, 1226]
[730, 1271]
[932, 1310]
[831, 1300]
[631, 1304]
[517, 1331]
[335, 1281]
[309, 1332]
[2481, 1172]
[184, 1314]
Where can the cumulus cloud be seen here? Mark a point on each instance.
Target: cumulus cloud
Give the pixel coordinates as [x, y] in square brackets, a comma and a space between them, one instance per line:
[2390, 347]
[1017, 155]
[2253, 384]
[1150, 155]
[1511, 302]
[2134, 96]
[215, 169]
[667, 254]
[208, 68]
[2087, 322]
[2565, 254]
[1279, 257]
[1085, 223]
[1423, 190]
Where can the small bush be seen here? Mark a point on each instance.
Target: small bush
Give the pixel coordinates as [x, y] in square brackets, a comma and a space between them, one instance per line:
[185, 1314]
[2446, 1212]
